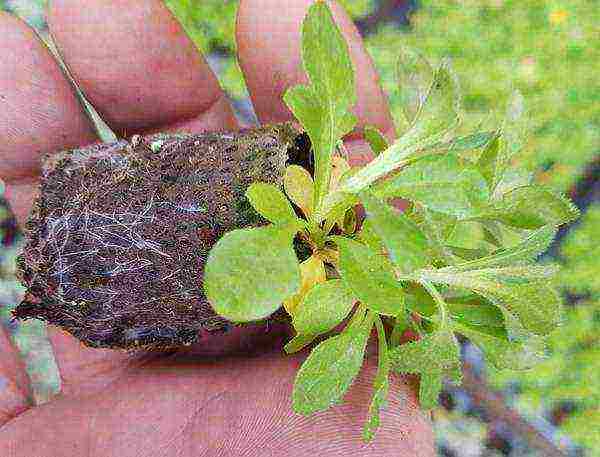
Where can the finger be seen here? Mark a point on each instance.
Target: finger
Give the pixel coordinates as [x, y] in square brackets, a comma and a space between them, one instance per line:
[40, 114]
[38, 111]
[137, 66]
[15, 389]
[269, 45]
[20, 195]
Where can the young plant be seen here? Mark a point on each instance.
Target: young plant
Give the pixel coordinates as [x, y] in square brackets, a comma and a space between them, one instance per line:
[460, 259]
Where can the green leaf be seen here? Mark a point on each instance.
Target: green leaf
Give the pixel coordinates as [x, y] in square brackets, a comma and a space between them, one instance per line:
[436, 118]
[370, 276]
[430, 386]
[440, 183]
[350, 222]
[522, 292]
[270, 203]
[437, 227]
[487, 163]
[504, 354]
[299, 187]
[250, 272]
[531, 207]
[538, 306]
[414, 77]
[402, 323]
[298, 342]
[419, 301]
[440, 303]
[376, 140]
[323, 105]
[368, 236]
[502, 236]
[404, 241]
[524, 252]
[515, 129]
[496, 234]
[337, 203]
[475, 311]
[438, 351]
[468, 236]
[329, 370]
[513, 178]
[467, 309]
[507, 142]
[462, 144]
[434, 224]
[433, 356]
[323, 307]
[381, 385]
[513, 275]
[469, 142]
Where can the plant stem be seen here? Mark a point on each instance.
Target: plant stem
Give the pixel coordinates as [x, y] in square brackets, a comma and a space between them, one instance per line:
[401, 324]
[439, 301]
[316, 235]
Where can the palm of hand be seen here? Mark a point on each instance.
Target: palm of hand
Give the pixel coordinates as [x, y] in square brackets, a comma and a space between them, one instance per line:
[142, 74]
[193, 403]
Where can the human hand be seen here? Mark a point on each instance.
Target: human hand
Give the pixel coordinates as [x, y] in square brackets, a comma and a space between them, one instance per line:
[140, 71]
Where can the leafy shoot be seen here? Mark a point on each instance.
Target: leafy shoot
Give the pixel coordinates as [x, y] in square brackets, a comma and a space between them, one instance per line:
[461, 257]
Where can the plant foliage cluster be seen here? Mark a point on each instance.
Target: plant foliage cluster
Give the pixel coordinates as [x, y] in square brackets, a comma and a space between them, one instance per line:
[547, 50]
[570, 376]
[421, 269]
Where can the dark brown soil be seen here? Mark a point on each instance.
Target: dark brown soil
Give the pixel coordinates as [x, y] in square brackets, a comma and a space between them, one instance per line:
[117, 239]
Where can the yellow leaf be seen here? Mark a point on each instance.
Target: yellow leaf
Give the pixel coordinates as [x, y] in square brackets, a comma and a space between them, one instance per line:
[312, 271]
[299, 187]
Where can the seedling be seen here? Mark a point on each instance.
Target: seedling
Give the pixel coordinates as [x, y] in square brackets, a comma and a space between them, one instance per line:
[121, 242]
[460, 259]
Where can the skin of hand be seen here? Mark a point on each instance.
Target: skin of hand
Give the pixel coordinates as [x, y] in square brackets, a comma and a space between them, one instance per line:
[233, 397]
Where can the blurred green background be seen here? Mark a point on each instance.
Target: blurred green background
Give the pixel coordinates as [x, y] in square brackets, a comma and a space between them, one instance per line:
[549, 50]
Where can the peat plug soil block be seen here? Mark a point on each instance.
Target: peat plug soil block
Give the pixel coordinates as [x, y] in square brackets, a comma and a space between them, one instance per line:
[119, 234]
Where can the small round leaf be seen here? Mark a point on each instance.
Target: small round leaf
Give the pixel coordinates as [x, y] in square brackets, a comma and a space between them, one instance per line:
[250, 272]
